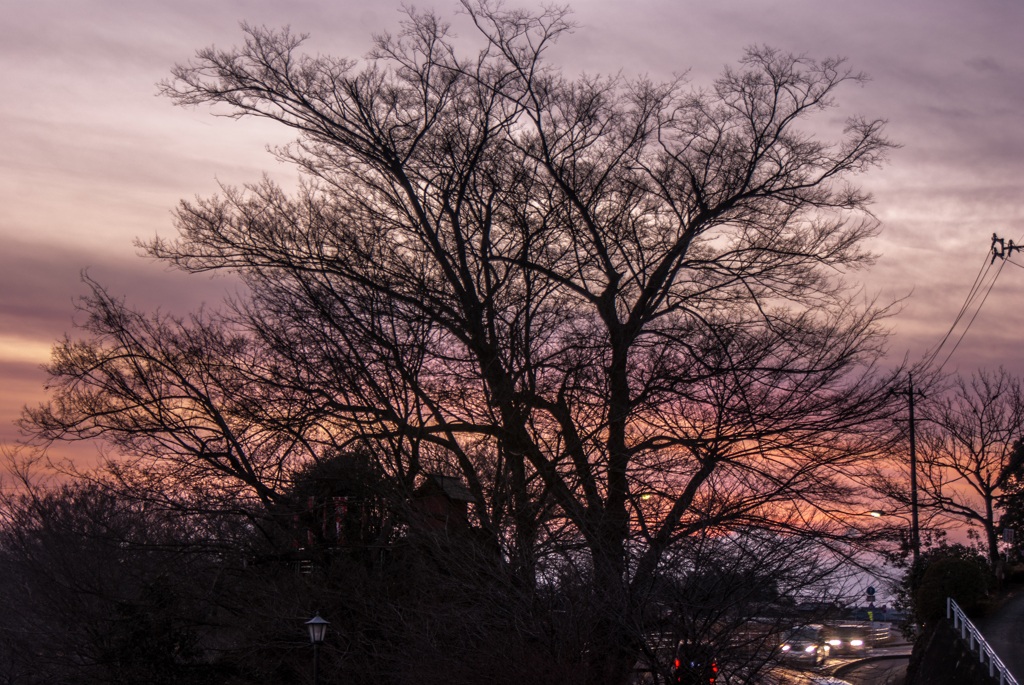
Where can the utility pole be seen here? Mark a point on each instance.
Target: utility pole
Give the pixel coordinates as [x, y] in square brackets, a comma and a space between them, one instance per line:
[1003, 250]
[915, 530]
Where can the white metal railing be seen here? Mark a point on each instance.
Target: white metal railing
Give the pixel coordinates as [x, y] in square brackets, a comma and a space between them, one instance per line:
[984, 650]
[880, 632]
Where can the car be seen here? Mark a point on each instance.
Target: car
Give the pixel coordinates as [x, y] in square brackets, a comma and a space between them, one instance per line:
[848, 639]
[805, 644]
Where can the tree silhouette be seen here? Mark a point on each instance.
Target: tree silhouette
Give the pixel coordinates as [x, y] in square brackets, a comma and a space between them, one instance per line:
[614, 309]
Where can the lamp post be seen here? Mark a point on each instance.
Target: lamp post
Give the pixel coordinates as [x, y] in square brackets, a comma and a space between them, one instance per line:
[915, 541]
[317, 628]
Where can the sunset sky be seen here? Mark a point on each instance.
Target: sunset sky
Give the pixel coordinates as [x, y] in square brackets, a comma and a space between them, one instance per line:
[92, 158]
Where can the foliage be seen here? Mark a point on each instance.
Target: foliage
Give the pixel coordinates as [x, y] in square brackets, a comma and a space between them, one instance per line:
[965, 581]
[100, 590]
[1013, 501]
[907, 591]
[154, 639]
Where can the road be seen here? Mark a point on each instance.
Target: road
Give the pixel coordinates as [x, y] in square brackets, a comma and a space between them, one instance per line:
[881, 666]
[884, 672]
[1004, 631]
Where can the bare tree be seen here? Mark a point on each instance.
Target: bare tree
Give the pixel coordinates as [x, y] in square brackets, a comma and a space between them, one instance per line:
[965, 461]
[615, 308]
[98, 589]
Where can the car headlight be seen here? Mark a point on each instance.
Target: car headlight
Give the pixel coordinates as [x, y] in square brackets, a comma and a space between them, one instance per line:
[785, 648]
[856, 643]
[810, 648]
[835, 643]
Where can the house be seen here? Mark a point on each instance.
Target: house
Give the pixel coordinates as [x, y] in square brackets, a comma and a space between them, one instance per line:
[442, 503]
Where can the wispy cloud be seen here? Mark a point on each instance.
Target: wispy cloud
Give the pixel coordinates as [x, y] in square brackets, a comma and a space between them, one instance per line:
[92, 159]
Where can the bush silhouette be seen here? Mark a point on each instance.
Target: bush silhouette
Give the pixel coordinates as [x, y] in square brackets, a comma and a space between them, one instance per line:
[960, 579]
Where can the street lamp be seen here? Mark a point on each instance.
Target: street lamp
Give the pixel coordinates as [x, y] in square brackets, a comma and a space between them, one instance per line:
[915, 541]
[317, 628]
[882, 513]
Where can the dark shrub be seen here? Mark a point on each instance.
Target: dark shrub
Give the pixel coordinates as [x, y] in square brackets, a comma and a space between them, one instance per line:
[963, 580]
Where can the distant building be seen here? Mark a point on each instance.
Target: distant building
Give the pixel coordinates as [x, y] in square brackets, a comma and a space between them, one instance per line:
[442, 503]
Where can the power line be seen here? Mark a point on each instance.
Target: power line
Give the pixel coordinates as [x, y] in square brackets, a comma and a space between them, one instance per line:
[1004, 251]
[978, 279]
[976, 312]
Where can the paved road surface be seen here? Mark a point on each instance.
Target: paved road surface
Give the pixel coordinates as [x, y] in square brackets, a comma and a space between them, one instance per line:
[881, 672]
[889, 670]
[1004, 630]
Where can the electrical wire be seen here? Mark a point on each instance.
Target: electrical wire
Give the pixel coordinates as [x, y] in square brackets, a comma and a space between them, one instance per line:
[972, 295]
[976, 312]
[1016, 264]
[979, 279]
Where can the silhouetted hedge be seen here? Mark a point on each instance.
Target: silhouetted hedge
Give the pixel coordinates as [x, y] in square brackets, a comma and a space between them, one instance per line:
[963, 580]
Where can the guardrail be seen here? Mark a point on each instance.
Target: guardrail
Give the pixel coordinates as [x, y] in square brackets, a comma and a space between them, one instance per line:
[880, 632]
[874, 632]
[984, 650]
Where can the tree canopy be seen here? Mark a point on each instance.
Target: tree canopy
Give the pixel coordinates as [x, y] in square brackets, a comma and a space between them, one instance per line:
[617, 309]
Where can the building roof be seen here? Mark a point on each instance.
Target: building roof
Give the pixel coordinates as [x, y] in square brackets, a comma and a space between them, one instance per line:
[450, 486]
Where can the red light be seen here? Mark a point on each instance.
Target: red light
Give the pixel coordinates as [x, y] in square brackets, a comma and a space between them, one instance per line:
[677, 663]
